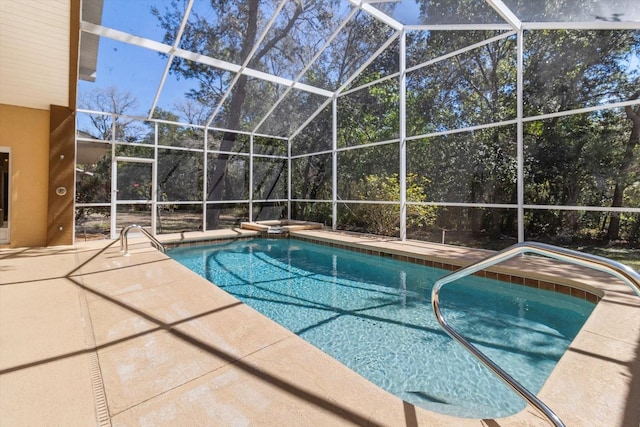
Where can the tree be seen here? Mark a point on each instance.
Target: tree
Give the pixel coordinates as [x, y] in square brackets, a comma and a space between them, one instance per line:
[94, 180]
[572, 160]
[566, 70]
[473, 88]
[231, 38]
[180, 172]
[293, 41]
[628, 167]
[115, 103]
[384, 219]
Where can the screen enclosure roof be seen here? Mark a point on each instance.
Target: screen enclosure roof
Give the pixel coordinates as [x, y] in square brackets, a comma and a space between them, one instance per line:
[269, 67]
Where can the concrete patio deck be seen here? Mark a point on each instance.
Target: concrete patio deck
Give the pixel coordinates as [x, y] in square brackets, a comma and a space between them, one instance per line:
[91, 337]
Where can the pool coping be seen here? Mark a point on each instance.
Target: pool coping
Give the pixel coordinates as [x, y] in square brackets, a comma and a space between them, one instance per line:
[508, 274]
[606, 292]
[377, 246]
[605, 327]
[597, 382]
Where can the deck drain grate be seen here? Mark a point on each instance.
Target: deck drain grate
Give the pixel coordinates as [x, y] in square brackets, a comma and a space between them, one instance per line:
[102, 410]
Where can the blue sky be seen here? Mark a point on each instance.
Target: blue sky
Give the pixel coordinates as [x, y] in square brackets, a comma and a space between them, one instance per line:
[132, 69]
[139, 71]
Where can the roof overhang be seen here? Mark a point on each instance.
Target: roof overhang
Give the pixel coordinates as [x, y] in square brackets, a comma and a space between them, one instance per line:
[37, 65]
[92, 12]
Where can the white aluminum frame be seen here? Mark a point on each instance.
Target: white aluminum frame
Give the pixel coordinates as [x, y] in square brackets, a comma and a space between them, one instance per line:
[512, 26]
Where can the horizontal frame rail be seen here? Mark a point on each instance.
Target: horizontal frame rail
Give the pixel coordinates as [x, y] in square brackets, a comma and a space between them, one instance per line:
[616, 269]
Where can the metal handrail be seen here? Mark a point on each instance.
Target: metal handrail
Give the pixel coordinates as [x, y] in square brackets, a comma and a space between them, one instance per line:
[124, 241]
[621, 271]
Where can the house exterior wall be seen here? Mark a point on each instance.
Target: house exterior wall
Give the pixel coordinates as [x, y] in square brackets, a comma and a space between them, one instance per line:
[62, 145]
[26, 131]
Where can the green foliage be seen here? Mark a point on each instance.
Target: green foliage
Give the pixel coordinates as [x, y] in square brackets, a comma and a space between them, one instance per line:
[314, 211]
[369, 115]
[587, 159]
[575, 160]
[384, 219]
[93, 185]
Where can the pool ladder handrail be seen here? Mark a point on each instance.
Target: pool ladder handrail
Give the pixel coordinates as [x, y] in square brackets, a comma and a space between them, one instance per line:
[124, 241]
[621, 271]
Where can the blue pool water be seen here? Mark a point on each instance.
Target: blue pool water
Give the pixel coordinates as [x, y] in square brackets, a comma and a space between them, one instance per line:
[374, 315]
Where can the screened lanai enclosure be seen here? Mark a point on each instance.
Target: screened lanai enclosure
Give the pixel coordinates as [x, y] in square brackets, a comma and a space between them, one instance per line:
[465, 121]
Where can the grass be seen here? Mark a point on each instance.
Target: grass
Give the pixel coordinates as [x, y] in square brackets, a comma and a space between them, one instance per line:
[627, 256]
[622, 252]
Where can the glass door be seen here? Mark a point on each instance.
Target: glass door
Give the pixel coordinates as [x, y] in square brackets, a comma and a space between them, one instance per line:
[133, 194]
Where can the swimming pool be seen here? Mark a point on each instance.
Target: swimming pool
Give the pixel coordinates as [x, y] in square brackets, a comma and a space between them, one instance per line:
[373, 314]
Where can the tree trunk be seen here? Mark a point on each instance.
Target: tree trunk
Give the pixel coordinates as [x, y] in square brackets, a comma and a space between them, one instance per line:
[217, 178]
[613, 233]
[634, 234]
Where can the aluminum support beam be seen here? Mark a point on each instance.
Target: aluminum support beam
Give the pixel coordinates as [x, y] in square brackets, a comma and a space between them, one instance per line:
[402, 81]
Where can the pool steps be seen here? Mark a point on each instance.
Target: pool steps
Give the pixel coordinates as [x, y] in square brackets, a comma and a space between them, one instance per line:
[280, 226]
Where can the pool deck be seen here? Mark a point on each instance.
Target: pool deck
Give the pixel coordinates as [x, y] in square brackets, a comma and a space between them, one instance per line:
[91, 337]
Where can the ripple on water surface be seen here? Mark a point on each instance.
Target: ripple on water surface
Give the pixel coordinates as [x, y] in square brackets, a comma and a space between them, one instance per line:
[374, 315]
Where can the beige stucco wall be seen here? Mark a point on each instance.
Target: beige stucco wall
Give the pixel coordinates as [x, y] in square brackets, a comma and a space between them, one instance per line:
[26, 131]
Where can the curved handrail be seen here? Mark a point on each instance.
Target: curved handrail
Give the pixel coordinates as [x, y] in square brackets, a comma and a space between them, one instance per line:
[124, 241]
[621, 271]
